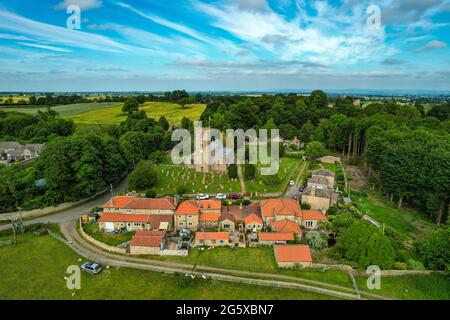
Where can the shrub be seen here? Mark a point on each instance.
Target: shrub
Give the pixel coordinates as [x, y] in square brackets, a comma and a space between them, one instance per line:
[249, 171]
[400, 265]
[150, 193]
[433, 251]
[182, 189]
[415, 265]
[232, 171]
[272, 180]
[305, 206]
[315, 240]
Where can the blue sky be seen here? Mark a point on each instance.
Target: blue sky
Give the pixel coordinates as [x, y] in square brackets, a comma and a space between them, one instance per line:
[224, 45]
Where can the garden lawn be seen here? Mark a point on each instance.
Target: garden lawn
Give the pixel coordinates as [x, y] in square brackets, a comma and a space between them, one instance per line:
[410, 223]
[114, 115]
[35, 269]
[68, 110]
[434, 286]
[286, 172]
[112, 239]
[172, 176]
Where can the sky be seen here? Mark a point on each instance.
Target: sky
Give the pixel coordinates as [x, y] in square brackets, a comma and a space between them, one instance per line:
[234, 45]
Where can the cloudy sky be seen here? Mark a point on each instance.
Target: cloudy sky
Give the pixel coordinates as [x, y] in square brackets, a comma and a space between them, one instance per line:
[224, 45]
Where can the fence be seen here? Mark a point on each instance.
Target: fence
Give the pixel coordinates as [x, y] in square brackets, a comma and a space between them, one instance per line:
[168, 252]
[5, 243]
[57, 237]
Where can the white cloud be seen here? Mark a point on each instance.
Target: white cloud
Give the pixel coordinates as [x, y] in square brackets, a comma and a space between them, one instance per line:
[434, 44]
[42, 46]
[83, 4]
[331, 35]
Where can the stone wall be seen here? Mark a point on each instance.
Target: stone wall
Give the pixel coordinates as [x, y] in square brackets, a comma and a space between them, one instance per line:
[100, 244]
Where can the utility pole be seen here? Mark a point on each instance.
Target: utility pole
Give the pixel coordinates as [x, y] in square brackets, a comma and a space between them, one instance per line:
[112, 194]
[21, 221]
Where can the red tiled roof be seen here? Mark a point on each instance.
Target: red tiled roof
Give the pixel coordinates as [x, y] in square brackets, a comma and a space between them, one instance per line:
[147, 238]
[286, 225]
[292, 253]
[123, 217]
[276, 207]
[227, 216]
[155, 220]
[151, 204]
[275, 236]
[213, 216]
[118, 202]
[187, 207]
[210, 204]
[314, 215]
[211, 236]
[253, 218]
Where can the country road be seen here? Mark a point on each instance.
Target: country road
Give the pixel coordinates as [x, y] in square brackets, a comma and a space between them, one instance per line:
[90, 251]
[74, 212]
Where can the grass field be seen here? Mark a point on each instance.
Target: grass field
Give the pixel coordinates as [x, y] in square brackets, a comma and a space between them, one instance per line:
[68, 110]
[35, 269]
[173, 113]
[286, 173]
[410, 223]
[172, 176]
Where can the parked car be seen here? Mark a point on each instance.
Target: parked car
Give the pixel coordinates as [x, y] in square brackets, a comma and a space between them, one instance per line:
[234, 195]
[246, 201]
[202, 196]
[301, 188]
[292, 182]
[221, 196]
[91, 267]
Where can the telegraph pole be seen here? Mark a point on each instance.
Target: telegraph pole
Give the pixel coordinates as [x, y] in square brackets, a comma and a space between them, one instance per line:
[13, 228]
[21, 221]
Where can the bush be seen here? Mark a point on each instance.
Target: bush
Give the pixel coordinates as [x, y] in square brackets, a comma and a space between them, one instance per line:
[272, 180]
[415, 265]
[150, 193]
[182, 189]
[315, 240]
[158, 156]
[433, 251]
[232, 171]
[305, 206]
[250, 171]
[315, 149]
[400, 265]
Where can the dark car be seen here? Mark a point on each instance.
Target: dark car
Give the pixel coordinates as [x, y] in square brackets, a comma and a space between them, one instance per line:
[301, 189]
[234, 196]
[91, 267]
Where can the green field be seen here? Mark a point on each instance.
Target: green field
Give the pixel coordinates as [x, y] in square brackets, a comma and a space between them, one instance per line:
[111, 239]
[286, 172]
[35, 269]
[410, 223]
[171, 176]
[173, 113]
[68, 110]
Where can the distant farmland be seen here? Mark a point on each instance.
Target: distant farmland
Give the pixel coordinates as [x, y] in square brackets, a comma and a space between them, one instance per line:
[114, 115]
[65, 110]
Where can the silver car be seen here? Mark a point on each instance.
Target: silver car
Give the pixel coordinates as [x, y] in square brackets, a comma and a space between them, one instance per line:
[91, 267]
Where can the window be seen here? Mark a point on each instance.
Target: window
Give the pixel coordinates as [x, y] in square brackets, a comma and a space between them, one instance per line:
[128, 210]
[190, 223]
[117, 209]
[181, 223]
[226, 226]
[189, 216]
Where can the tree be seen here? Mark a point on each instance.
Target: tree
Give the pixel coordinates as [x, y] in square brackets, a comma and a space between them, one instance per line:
[433, 251]
[232, 171]
[142, 177]
[130, 105]
[318, 99]
[315, 149]
[163, 123]
[365, 244]
[306, 132]
[250, 171]
[186, 123]
[150, 193]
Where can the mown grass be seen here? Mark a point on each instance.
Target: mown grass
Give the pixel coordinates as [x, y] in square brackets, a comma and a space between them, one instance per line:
[286, 172]
[112, 239]
[68, 110]
[410, 223]
[114, 115]
[430, 287]
[36, 269]
[172, 176]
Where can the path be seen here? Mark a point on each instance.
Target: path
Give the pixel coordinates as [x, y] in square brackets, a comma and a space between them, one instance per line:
[89, 251]
[241, 179]
[293, 191]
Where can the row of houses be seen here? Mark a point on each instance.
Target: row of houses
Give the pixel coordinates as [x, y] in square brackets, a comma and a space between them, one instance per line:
[14, 151]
